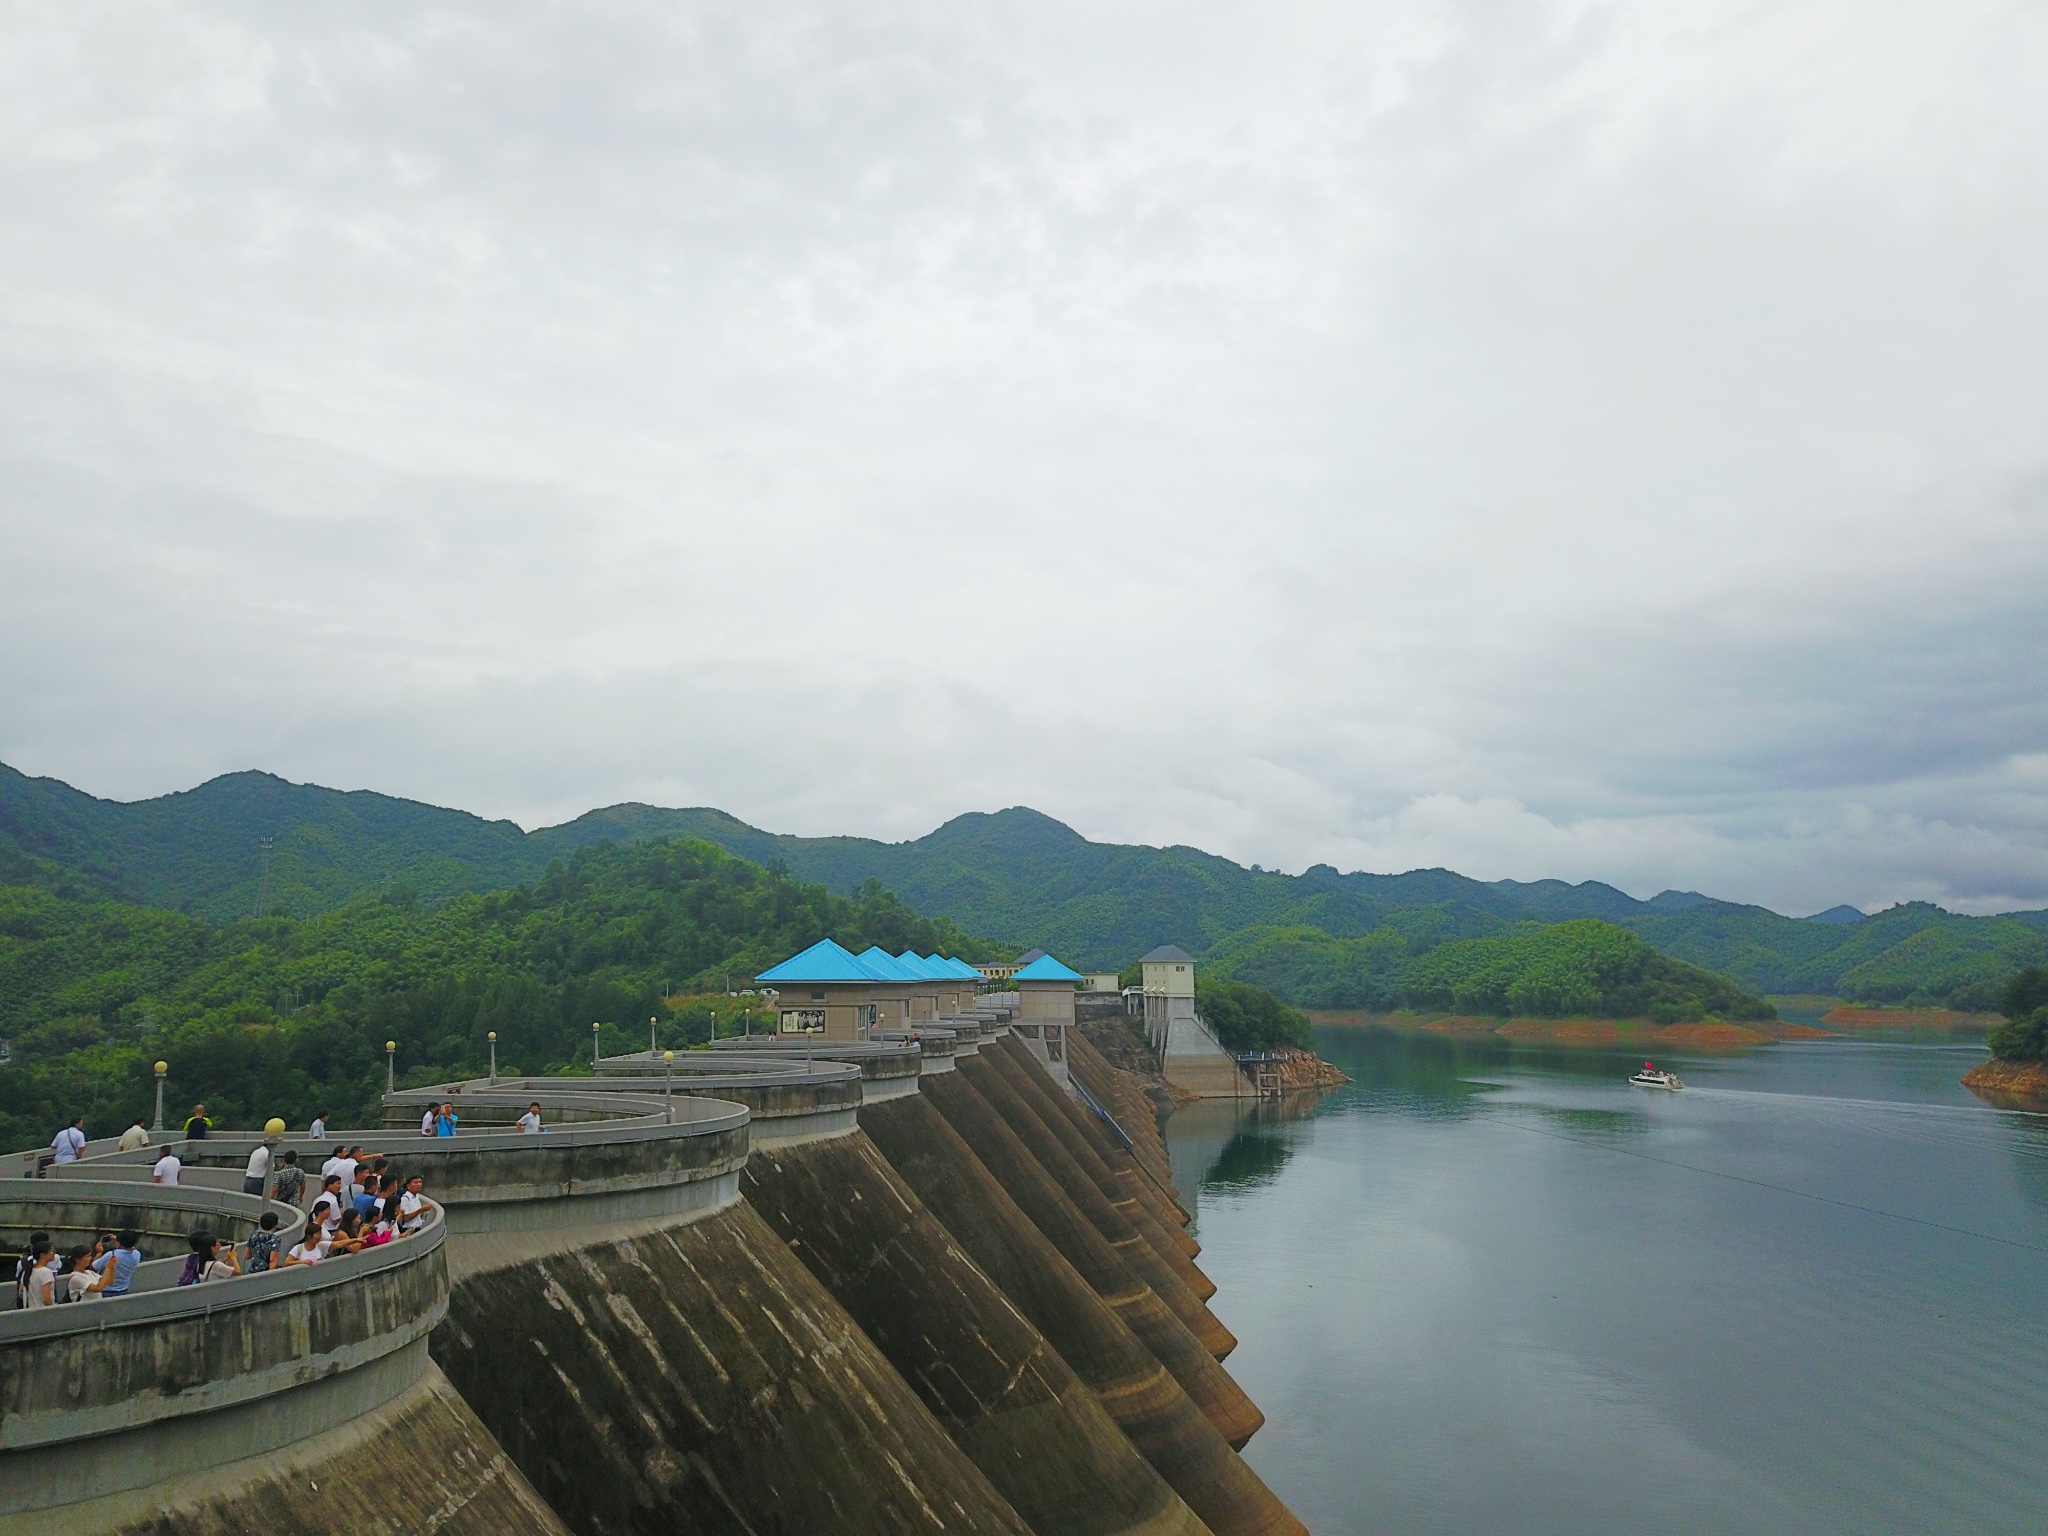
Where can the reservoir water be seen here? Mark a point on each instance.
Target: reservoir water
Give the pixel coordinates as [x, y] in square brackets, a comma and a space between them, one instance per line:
[1487, 1289]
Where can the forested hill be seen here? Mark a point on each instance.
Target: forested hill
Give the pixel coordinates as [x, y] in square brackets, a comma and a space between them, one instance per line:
[1322, 938]
[286, 1015]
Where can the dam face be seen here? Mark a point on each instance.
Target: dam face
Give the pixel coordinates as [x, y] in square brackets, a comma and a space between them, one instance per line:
[895, 1285]
[986, 1373]
[679, 1368]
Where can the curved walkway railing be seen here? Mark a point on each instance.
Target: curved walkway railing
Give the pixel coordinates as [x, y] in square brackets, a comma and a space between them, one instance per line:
[117, 1393]
[791, 1098]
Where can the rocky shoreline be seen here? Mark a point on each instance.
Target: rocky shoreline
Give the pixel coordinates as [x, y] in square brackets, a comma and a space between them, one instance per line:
[2010, 1084]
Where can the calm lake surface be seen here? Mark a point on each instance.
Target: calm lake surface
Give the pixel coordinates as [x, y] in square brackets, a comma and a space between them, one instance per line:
[1486, 1289]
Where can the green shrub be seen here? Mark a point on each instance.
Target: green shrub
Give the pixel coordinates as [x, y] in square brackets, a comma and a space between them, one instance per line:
[1249, 1018]
[2024, 1034]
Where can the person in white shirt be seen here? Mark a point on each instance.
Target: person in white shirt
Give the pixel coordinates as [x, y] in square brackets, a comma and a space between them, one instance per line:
[338, 1166]
[413, 1206]
[42, 1280]
[135, 1138]
[79, 1283]
[207, 1263]
[69, 1142]
[530, 1121]
[327, 1204]
[257, 1171]
[166, 1170]
[311, 1247]
[427, 1120]
[318, 1129]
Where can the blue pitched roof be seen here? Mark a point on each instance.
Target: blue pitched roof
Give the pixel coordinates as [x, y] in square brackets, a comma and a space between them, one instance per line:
[962, 969]
[823, 961]
[918, 966]
[1045, 968]
[885, 966]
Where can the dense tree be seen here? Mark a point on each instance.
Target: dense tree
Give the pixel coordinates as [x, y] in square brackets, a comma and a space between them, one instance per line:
[1584, 967]
[1249, 1018]
[2024, 1034]
[284, 1016]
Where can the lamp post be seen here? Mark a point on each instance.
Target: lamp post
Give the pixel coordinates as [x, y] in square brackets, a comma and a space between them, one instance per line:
[668, 1090]
[162, 1067]
[493, 1037]
[390, 1066]
[594, 1026]
[714, 1023]
[651, 1042]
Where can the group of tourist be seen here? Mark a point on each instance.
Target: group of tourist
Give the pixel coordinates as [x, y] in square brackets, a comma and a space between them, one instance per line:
[361, 1202]
[87, 1271]
[442, 1120]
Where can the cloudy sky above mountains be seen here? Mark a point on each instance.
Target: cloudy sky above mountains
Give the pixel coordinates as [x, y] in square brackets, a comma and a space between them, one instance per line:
[1582, 440]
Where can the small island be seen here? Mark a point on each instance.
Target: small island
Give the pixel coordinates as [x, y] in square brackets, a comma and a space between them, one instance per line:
[2016, 1076]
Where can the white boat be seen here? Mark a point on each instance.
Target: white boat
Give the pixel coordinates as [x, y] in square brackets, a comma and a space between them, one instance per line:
[1651, 1077]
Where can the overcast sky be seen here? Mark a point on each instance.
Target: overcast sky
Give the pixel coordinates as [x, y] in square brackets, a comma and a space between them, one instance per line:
[1580, 440]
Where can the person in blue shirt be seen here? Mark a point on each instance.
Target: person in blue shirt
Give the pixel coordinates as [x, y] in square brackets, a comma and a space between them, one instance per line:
[117, 1267]
[444, 1123]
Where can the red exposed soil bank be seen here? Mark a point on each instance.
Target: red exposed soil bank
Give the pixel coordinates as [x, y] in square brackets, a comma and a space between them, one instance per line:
[2010, 1084]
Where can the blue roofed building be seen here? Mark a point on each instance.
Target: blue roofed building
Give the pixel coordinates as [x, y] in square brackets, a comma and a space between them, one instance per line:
[829, 992]
[1045, 1009]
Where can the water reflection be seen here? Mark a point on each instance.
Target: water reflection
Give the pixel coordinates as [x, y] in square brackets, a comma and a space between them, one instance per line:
[1232, 1145]
[1249, 1159]
[1490, 1286]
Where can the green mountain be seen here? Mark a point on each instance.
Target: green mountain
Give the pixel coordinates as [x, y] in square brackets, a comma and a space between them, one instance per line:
[1321, 939]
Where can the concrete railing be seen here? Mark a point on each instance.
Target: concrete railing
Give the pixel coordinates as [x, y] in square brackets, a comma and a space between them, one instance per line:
[123, 1392]
[936, 1045]
[613, 1158]
[76, 1210]
[888, 1067]
[627, 1157]
[788, 1099]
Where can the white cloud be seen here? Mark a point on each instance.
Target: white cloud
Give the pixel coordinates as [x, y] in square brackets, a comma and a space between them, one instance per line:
[1586, 439]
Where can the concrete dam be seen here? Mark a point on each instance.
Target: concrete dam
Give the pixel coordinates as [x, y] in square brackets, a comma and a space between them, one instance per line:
[905, 1283]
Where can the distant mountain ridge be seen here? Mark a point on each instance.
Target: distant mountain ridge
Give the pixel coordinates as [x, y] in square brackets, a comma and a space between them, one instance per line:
[1015, 874]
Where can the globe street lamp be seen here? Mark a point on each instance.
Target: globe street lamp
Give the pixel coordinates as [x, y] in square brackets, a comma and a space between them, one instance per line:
[390, 1066]
[162, 1067]
[493, 1037]
[668, 1090]
[651, 1041]
[594, 1059]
